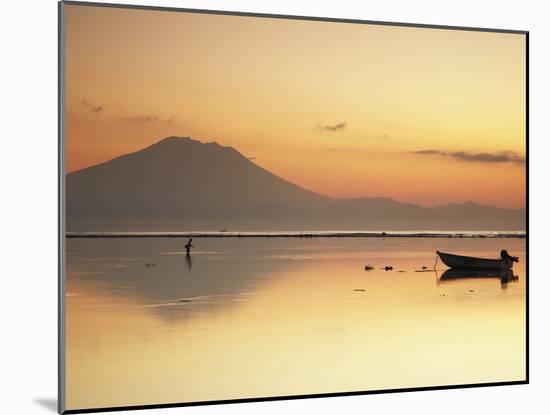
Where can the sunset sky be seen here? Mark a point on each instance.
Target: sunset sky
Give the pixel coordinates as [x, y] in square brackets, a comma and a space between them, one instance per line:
[428, 116]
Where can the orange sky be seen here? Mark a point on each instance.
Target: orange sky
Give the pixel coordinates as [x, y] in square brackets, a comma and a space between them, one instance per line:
[271, 87]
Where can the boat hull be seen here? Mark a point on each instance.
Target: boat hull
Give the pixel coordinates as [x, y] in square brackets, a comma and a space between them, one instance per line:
[466, 262]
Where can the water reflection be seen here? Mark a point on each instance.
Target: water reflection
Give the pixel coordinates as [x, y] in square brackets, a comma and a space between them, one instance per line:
[171, 284]
[505, 276]
[188, 262]
[263, 317]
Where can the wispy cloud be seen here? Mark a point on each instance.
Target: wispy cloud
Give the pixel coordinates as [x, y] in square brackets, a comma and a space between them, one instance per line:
[147, 119]
[332, 128]
[92, 107]
[499, 157]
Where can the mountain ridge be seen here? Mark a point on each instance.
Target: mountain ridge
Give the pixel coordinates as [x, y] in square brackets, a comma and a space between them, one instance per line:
[184, 183]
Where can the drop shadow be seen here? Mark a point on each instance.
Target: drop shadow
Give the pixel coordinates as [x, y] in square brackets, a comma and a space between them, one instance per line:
[48, 403]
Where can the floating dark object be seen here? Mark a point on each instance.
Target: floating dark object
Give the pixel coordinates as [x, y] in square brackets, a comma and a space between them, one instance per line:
[424, 267]
[388, 268]
[471, 291]
[184, 301]
[149, 264]
[369, 267]
[466, 262]
[359, 289]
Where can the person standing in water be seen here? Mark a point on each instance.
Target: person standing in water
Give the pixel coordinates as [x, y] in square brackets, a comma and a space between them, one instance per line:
[188, 247]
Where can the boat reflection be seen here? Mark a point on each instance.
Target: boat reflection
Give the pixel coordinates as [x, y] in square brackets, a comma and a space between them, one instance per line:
[452, 274]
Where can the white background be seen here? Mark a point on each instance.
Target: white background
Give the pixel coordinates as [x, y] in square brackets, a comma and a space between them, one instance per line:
[28, 241]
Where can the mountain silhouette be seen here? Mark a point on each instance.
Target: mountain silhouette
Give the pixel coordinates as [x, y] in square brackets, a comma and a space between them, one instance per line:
[182, 184]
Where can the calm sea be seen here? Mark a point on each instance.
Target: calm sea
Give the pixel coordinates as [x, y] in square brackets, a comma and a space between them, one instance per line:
[259, 317]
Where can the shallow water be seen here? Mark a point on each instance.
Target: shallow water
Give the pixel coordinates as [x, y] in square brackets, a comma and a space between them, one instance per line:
[260, 317]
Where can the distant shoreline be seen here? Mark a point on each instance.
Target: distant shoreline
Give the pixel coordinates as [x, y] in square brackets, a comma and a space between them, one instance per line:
[299, 234]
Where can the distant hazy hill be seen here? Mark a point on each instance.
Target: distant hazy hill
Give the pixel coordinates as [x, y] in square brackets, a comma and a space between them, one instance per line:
[385, 213]
[182, 184]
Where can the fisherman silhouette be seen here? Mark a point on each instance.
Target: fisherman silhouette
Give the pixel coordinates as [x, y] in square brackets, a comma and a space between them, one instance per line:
[188, 247]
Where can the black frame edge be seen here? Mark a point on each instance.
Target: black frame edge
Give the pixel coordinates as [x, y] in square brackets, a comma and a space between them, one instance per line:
[527, 230]
[292, 397]
[290, 17]
[61, 344]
